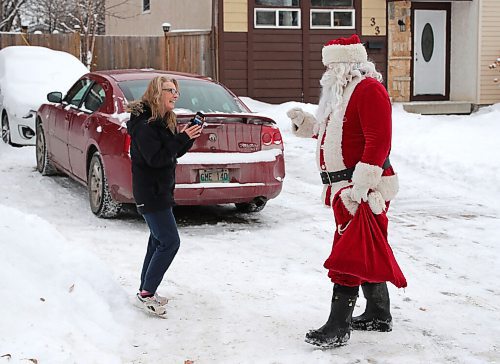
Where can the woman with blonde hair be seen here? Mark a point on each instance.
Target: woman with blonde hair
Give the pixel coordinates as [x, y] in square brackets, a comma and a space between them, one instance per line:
[154, 149]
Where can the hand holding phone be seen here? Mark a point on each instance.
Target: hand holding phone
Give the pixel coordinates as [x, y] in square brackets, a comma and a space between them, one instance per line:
[198, 119]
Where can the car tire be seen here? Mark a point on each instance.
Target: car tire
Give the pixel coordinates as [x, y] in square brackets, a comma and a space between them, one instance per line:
[5, 129]
[101, 202]
[255, 206]
[43, 163]
[6, 132]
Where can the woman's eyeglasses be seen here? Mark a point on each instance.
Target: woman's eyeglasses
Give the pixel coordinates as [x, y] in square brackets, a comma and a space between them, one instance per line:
[173, 91]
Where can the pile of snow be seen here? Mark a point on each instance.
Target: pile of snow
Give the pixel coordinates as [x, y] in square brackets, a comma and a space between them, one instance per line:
[59, 303]
[28, 74]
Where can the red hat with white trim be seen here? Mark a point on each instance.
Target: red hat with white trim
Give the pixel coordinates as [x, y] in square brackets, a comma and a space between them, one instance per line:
[344, 50]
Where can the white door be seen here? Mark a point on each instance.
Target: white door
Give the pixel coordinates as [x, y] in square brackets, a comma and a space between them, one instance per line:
[429, 53]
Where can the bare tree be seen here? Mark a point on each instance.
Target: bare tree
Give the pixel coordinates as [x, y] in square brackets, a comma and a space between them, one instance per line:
[86, 17]
[10, 14]
[48, 15]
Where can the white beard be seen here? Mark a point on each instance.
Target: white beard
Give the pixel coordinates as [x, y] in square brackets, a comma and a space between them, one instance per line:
[333, 83]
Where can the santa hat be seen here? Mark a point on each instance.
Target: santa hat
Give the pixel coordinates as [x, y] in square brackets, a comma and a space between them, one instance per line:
[345, 50]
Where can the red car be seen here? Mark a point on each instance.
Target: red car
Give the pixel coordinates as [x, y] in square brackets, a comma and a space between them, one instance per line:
[237, 159]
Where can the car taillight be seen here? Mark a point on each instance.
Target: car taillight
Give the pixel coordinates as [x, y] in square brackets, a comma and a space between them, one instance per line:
[271, 137]
[126, 144]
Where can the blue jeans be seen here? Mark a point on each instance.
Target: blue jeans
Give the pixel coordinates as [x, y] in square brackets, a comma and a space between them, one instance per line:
[163, 245]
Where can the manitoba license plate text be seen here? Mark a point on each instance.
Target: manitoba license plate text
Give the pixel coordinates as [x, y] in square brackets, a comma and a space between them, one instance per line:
[214, 175]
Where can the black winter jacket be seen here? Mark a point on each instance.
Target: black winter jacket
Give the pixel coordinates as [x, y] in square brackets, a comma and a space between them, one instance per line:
[154, 150]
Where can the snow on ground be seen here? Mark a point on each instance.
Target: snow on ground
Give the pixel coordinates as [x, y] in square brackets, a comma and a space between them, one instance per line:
[246, 288]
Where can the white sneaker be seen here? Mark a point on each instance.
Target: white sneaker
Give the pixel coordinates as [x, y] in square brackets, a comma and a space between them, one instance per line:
[162, 301]
[152, 305]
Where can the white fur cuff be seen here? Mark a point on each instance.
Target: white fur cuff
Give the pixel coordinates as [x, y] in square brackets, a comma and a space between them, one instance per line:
[366, 175]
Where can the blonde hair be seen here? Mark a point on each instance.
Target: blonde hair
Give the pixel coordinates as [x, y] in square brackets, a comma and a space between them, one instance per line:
[152, 98]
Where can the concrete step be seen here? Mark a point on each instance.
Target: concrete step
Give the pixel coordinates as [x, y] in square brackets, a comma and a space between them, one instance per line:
[439, 107]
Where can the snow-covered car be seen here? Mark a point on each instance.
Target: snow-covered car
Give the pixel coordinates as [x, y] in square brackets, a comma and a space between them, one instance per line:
[27, 75]
[237, 159]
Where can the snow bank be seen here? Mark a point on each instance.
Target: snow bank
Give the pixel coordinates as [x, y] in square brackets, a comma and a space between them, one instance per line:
[59, 303]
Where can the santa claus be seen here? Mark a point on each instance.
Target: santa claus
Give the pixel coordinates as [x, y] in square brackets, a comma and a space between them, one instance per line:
[353, 127]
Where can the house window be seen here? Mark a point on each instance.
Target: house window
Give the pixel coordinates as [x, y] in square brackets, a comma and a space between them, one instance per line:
[340, 17]
[277, 18]
[277, 2]
[278, 14]
[332, 3]
[145, 6]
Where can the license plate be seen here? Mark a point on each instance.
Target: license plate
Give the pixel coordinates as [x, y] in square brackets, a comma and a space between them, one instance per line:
[214, 175]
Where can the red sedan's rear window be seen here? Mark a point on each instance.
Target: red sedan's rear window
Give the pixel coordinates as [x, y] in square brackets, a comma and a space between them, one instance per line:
[195, 96]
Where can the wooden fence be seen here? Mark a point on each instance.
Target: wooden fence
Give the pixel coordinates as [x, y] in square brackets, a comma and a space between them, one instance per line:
[59, 42]
[191, 51]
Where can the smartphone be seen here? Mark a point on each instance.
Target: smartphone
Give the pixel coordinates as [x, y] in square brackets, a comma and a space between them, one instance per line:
[198, 119]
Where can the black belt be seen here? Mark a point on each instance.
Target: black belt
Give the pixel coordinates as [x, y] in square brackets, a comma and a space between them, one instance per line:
[344, 175]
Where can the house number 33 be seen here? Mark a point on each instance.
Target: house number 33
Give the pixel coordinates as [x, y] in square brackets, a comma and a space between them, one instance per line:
[373, 23]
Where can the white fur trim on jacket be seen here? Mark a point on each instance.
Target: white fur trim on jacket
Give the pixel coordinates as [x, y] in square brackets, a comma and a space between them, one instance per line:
[388, 187]
[366, 175]
[332, 125]
[304, 124]
[352, 53]
[335, 188]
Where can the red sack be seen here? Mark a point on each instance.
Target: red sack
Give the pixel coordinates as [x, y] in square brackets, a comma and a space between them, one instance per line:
[361, 252]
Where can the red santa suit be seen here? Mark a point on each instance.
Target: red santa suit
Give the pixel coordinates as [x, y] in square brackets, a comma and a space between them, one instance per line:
[359, 138]
[354, 134]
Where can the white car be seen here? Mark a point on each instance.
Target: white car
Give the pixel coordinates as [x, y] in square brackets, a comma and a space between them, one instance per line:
[27, 75]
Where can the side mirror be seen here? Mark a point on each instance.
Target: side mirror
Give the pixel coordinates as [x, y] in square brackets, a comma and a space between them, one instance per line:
[54, 97]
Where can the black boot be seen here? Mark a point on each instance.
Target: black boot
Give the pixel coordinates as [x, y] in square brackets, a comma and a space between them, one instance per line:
[377, 315]
[337, 330]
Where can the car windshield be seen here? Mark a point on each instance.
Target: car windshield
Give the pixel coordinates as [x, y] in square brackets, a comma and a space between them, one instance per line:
[195, 96]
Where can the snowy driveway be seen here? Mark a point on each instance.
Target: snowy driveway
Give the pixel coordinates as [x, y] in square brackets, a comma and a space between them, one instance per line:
[246, 288]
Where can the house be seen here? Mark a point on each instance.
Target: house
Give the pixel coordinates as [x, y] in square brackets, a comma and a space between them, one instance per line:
[439, 53]
[267, 49]
[270, 50]
[146, 17]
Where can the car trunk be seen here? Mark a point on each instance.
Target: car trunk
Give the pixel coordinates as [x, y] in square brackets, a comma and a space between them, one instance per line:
[240, 134]
[232, 148]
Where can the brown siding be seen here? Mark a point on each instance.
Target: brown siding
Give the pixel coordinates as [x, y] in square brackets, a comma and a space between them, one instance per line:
[285, 64]
[278, 69]
[233, 66]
